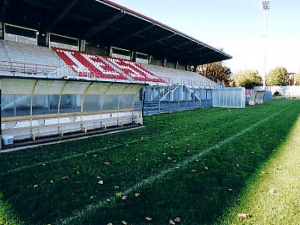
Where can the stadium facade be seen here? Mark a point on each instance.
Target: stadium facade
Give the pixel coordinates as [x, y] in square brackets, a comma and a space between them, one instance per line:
[72, 66]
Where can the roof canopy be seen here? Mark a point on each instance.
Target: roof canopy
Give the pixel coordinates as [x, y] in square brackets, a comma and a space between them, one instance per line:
[105, 23]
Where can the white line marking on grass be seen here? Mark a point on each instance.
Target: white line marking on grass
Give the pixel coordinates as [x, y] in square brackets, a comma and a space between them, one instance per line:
[93, 207]
[84, 153]
[78, 155]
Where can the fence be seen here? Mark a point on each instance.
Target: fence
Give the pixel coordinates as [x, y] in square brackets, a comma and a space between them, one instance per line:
[164, 99]
[229, 97]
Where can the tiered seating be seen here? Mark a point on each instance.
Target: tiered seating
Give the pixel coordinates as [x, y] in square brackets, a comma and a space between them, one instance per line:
[87, 64]
[134, 70]
[180, 76]
[27, 59]
[31, 54]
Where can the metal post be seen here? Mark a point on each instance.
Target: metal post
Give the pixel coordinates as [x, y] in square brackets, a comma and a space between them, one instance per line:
[169, 98]
[0, 120]
[186, 98]
[147, 102]
[158, 98]
[178, 97]
[265, 7]
[206, 98]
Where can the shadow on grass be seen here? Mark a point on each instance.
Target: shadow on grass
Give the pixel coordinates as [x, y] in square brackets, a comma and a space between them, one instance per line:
[197, 193]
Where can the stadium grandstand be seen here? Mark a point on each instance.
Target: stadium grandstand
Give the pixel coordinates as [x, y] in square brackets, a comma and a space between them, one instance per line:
[73, 66]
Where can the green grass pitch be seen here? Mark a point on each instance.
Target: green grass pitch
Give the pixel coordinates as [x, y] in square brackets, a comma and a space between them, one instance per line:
[189, 167]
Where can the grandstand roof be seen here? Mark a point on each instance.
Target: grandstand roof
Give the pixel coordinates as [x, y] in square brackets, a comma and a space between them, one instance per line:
[105, 23]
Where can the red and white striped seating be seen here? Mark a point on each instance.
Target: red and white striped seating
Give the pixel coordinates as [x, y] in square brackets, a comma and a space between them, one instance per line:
[134, 70]
[87, 64]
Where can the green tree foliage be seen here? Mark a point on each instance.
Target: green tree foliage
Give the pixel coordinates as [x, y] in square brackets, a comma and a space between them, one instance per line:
[297, 79]
[247, 79]
[278, 76]
[215, 72]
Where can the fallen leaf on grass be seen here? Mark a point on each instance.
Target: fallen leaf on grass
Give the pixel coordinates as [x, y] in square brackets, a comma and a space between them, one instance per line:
[243, 215]
[124, 223]
[171, 222]
[51, 181]
[272, 191]
[35, 186]
[108, 200]
[101, 182]
[263, 172]
[109, 224]
[106, 163]
[137, 195]
[117, 187]
[92, 197]
[169, 158]
[148, 218]
[65, 177]
[119, 194]
[177, 220]
[237, 165]
[194, 171]
[206, 167]
[125, 197]
[230, 189]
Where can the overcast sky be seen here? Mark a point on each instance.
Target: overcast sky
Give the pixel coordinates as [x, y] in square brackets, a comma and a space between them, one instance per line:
[235, 25]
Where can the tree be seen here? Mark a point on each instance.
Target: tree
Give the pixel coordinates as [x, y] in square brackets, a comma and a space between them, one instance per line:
[297, 79]
[247, 79]
[278, 76]
[215, 72]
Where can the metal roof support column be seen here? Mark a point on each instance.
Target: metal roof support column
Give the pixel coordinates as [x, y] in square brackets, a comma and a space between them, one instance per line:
[169, 98]
[59, 101]
[31, 101]
[158, 98]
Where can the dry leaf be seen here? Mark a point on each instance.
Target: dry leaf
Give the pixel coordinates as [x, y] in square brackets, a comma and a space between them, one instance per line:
[272, 191]
[177, 220]
[230, 189]
[125, 197]
[206, 167]
[244, 216]
[169, 158]
[106, 163]
[171, 222]
[148, 218]
[35, 186]
[92, 197]
[237, 165]
[109, 224]
[101, 182]
[124, 223]
[137, 195]
[51, 181]
[194, 171]
[263, 172]
[108, 200]
[119, 194]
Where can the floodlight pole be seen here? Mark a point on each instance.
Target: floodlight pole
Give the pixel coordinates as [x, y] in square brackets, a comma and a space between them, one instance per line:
[265, 7]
